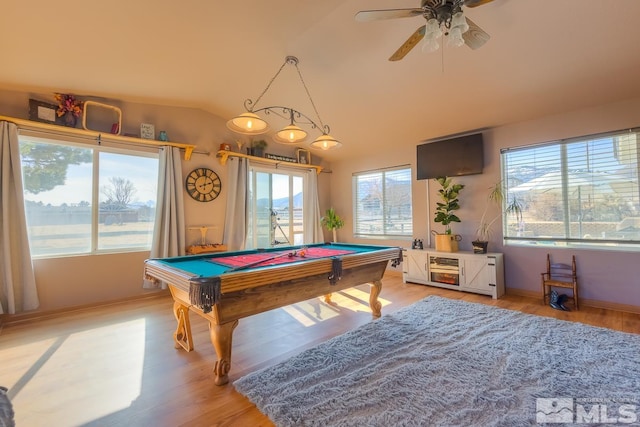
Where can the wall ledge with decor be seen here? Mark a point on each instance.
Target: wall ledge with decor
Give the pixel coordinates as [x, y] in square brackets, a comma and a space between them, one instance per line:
[99, 136]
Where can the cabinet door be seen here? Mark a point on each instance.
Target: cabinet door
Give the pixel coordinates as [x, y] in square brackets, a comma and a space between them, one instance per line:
[476, 273]
[417, 266]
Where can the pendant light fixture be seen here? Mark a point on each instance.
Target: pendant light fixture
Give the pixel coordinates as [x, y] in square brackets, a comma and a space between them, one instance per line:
[249, 123]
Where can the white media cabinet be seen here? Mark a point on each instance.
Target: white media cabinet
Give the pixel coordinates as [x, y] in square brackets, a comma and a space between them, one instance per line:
[462, 271]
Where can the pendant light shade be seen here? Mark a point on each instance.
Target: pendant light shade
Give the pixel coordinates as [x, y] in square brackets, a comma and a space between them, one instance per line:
[248, 123]
[291, 134]
[326, 142]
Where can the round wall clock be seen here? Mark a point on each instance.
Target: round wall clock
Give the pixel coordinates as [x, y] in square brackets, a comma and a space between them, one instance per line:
[203, 184]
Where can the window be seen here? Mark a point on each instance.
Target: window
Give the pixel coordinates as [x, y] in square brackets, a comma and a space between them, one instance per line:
[382, 203]
[582, 191]
[275, 211]
[81, 200]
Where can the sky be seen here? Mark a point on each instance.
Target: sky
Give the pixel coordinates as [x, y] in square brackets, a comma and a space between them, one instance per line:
[279, 184]
[141, 171]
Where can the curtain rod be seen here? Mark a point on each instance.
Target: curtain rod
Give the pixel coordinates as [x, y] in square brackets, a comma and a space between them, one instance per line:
[106, 136]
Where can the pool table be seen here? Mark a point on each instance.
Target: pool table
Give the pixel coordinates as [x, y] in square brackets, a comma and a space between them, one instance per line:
[227, 286]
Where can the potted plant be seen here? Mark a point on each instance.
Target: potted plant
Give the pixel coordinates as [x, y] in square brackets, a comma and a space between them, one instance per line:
[257, 147]
[445, 215]
[332, 222]
[484, 231]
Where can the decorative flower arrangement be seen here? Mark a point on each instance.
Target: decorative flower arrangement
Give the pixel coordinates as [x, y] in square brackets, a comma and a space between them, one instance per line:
[68, 104]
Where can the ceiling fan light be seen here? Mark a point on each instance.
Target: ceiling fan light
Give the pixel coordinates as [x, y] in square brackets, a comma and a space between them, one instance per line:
[248, 123]
[430, 45]
[291, 134]
[432, 30]
[455, 38]
[326, 142]
[458, 21]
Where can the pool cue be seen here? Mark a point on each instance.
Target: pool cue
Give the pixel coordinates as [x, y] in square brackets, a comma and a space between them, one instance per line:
[251, 264]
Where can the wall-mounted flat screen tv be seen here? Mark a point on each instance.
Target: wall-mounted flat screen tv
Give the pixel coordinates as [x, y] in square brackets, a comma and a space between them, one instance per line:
[450, 157]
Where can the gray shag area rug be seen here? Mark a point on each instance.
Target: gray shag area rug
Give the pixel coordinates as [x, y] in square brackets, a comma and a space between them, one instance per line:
[443, 362]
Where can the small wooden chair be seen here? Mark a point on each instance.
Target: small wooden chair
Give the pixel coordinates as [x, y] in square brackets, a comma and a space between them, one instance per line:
[560, 276]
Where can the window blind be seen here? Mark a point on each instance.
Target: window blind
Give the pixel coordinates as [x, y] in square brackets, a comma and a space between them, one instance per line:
[582, 190]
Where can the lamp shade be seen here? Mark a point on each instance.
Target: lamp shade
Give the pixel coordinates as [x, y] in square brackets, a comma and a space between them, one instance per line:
[430, 45]
[248, 123]
[326, 142]
[432, 29]
[459, 21]
[291, 134]
[455, 37]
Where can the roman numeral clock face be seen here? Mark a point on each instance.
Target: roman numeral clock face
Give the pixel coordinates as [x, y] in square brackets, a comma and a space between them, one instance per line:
[203, 184]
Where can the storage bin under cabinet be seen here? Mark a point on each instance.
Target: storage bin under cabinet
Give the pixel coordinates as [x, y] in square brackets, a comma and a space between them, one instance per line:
[462, 271]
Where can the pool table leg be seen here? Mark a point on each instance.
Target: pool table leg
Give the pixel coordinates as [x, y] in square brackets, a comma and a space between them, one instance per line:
[221, 338]
[376, 306]
[182, 335]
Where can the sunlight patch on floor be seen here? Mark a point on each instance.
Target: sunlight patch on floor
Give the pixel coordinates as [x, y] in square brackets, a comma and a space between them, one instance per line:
[309, 313]
[58, 373]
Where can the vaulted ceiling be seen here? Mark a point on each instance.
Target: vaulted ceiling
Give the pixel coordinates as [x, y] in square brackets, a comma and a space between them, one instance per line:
[544, 57]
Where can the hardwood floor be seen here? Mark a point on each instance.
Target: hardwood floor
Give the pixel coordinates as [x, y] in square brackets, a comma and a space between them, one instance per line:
[116, 365]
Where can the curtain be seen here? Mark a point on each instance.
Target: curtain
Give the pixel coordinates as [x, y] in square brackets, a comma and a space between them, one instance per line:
[235, 219]
[311, 209]
[18, 290]
[169, 230]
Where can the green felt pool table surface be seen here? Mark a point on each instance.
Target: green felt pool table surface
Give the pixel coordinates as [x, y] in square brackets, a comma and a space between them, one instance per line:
[205, 265]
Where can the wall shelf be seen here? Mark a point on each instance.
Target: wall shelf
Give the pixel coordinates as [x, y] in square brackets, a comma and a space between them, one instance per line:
[223, 156]
[29, 124]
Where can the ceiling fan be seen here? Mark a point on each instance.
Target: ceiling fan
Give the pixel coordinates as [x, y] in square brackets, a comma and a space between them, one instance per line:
[443, 17]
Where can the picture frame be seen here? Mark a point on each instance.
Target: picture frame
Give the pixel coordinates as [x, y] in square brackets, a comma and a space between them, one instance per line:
[280, 158]
[304, 156]
[44, 112]
[147, 131]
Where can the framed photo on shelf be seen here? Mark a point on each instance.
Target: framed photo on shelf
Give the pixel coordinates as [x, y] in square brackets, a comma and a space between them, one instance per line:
[43, 112]
[304, 156]
[280, 158]
[147, 131]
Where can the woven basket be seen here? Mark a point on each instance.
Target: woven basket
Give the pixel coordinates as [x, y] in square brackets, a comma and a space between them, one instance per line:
[447, 242]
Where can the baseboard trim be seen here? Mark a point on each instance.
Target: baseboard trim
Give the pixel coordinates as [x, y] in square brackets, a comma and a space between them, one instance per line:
[523, 293]
[627, 308]
[12, 319]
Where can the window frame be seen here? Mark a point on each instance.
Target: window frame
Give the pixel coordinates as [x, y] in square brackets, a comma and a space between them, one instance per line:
[96, 150]
[565, 170]
[384, 235]
[254, 169]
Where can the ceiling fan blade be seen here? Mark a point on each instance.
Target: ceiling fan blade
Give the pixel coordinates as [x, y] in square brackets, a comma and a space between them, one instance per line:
[476, 3]
[374, 15]
[411, 42]
[475, 37]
